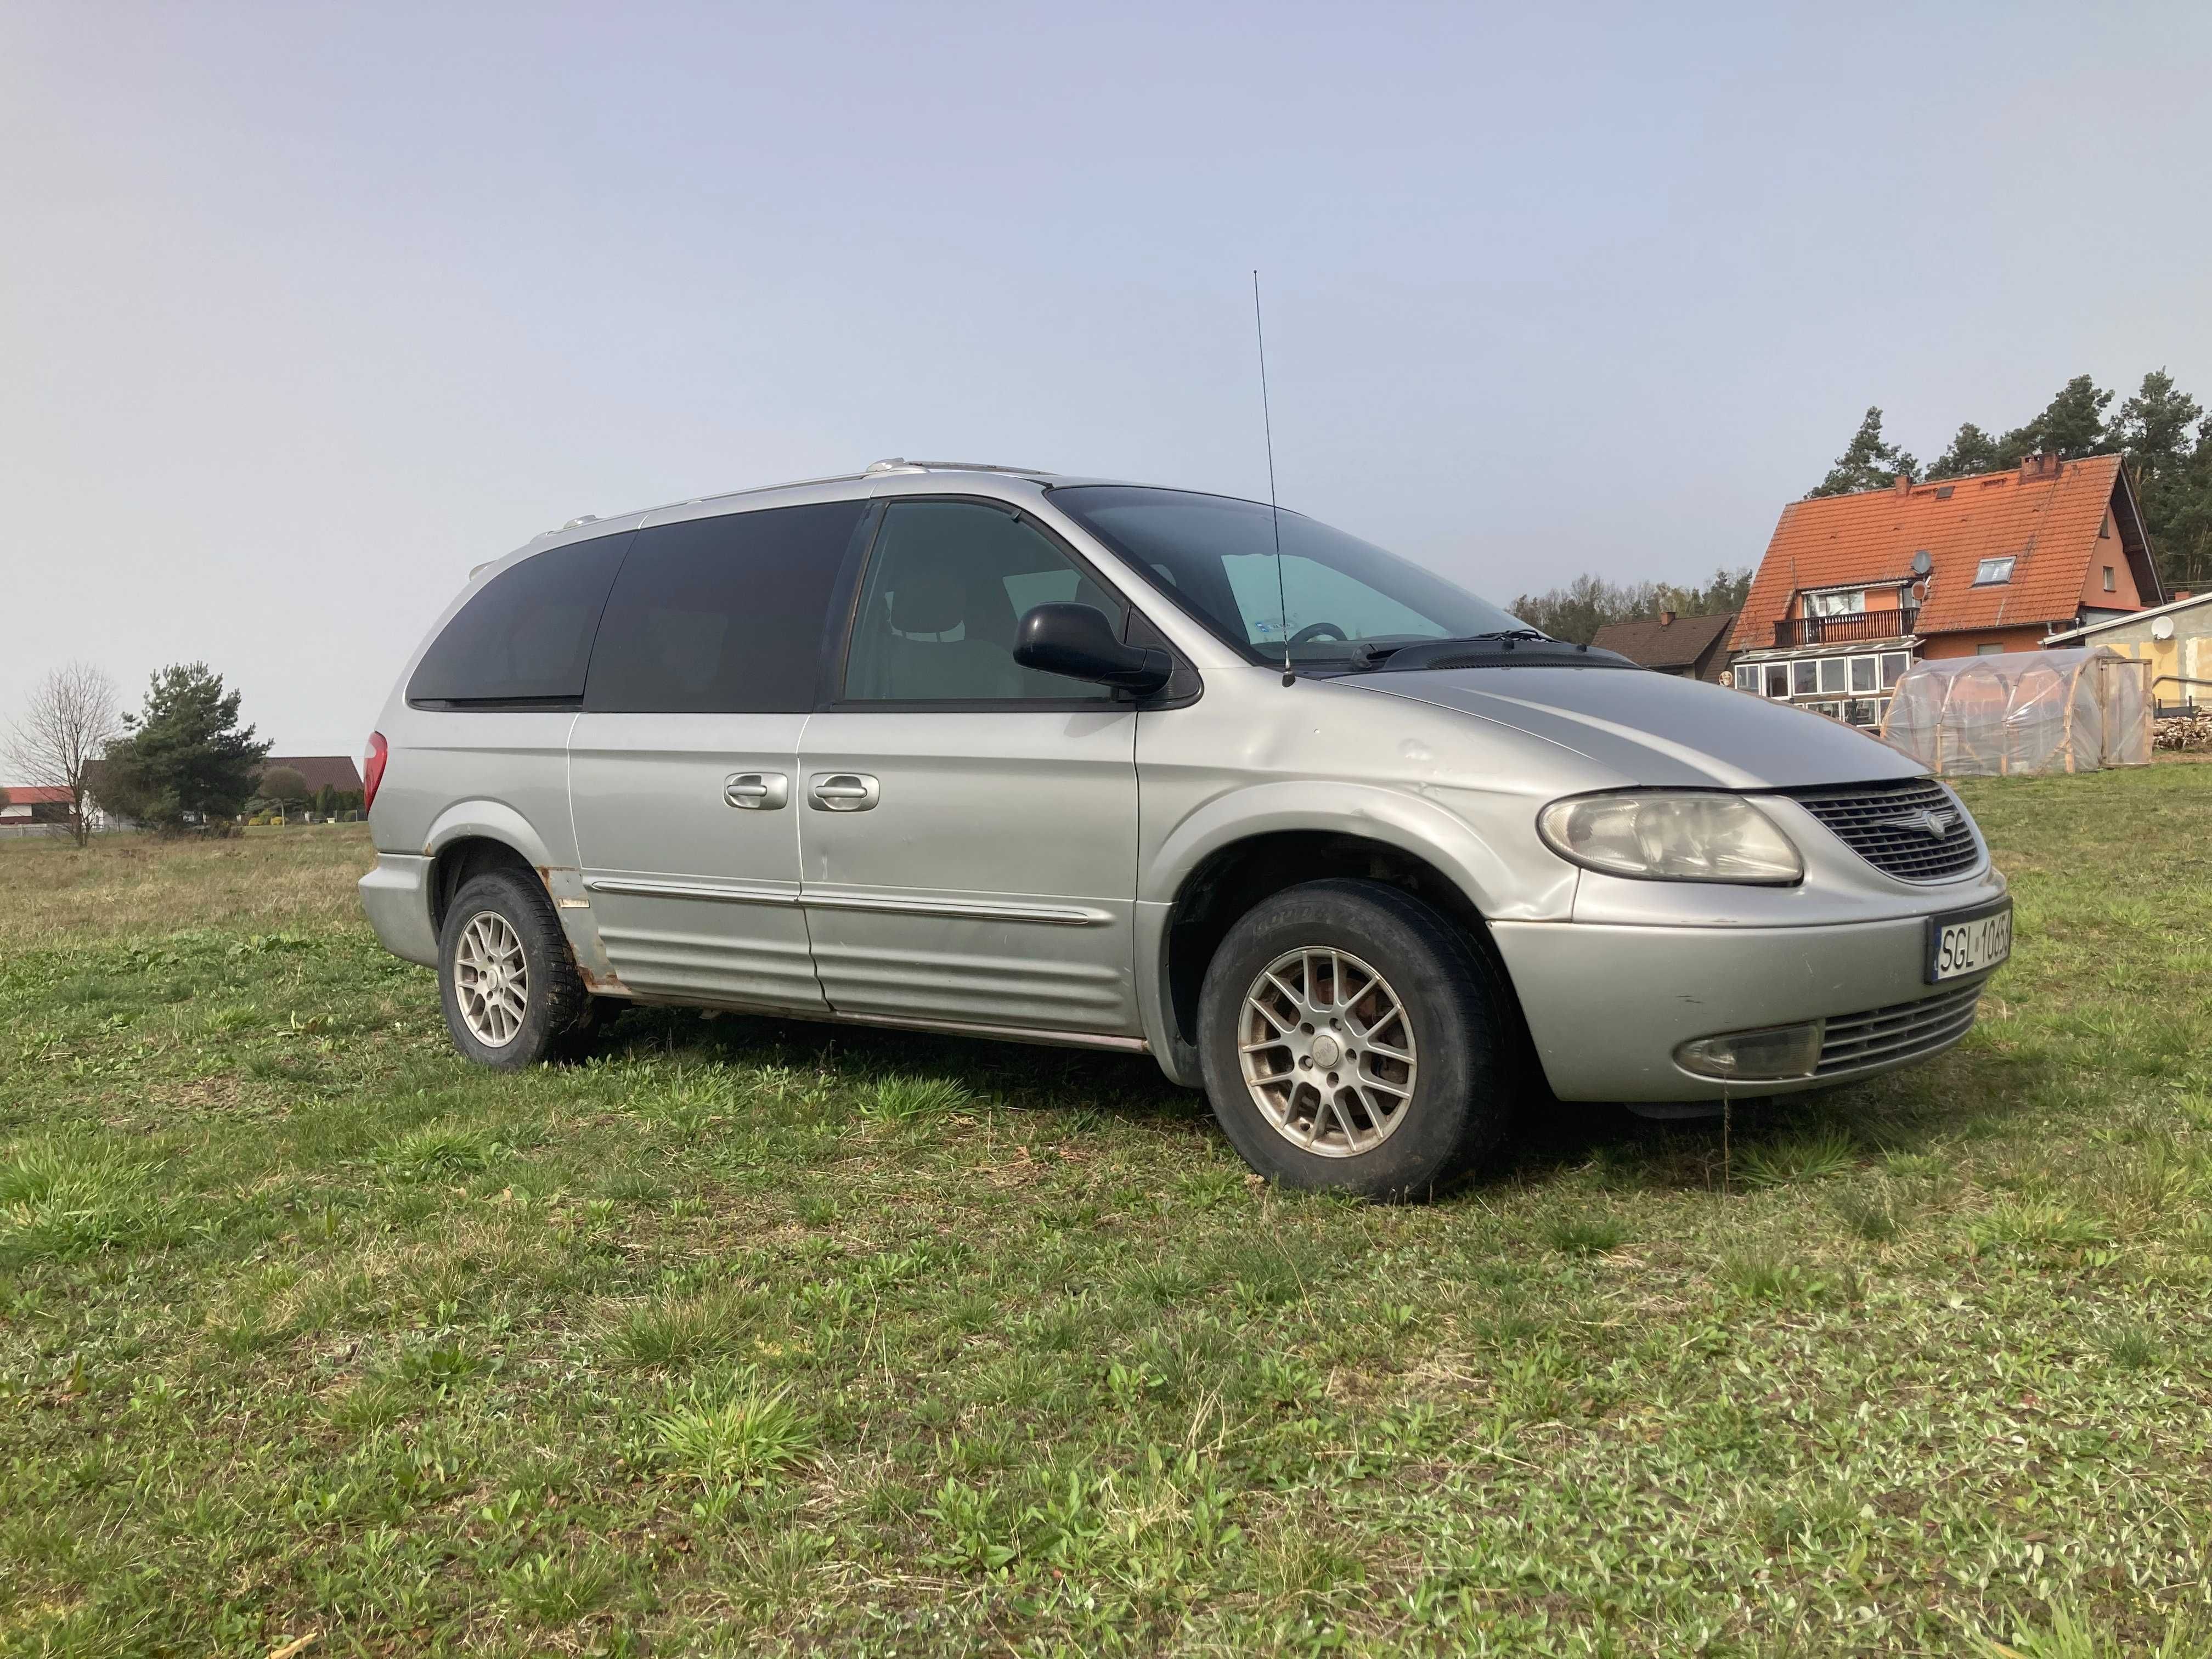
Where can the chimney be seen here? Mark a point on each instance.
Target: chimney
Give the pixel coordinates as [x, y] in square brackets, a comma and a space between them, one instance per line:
[2041, 465]
[1666, 619]
[1903, 484]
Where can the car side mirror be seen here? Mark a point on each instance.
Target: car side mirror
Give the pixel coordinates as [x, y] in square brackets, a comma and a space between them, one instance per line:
[1078, 640]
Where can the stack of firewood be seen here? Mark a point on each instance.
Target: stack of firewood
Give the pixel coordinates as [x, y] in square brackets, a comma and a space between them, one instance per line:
[2184, 731]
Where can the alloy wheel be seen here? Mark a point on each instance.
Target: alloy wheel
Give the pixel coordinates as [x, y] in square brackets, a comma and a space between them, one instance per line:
[1327, 1051]
[491, 977]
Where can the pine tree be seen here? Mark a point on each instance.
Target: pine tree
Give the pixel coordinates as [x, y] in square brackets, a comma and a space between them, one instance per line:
[1868, 462]
[1971, 450]
[2071, 425]
[187, 758]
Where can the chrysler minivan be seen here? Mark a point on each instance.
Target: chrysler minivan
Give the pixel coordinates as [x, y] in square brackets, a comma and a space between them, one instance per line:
[992, 751]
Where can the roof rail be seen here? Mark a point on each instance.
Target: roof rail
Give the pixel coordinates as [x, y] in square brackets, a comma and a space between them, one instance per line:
[899, 464]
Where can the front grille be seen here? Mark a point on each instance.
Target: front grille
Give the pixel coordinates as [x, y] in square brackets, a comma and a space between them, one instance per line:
[1901, 1032]
[1862, 814]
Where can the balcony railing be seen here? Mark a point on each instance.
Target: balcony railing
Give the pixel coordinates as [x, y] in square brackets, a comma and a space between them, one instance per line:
[1852, 625]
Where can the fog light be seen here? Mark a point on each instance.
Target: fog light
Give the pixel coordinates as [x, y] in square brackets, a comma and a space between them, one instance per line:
[1767, 1056]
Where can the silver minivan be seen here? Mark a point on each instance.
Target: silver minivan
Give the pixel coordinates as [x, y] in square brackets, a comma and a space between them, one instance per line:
[987, 750]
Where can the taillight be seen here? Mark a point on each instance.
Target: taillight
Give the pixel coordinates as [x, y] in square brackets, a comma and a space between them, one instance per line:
[372, 768]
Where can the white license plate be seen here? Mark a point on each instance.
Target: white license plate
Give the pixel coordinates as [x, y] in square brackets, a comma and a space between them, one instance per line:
[1973, 942]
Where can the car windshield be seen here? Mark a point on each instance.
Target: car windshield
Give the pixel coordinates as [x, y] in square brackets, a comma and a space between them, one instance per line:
[1332, 597]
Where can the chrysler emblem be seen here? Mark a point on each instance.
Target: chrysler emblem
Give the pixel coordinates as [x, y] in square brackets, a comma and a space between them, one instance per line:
[1936, 823]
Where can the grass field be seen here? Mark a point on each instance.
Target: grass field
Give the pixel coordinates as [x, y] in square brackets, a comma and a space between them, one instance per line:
[747, 1337]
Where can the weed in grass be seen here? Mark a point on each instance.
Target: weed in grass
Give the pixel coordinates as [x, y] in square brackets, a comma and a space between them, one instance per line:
[683, 1330]
[1762, 1276]
[556, 1587]
[897, 1099]
[441, 1363]
[738, 1439]
[635, 1186]
[1916, 1166]
[1584, 1235]
[1869, 1212]
[1801, 1158]
[2070, 1635]
[375, 1402]
[61, 1197]
[1161, 1283]
[2034, 1224]
[443, 1151]
[2131, 1346]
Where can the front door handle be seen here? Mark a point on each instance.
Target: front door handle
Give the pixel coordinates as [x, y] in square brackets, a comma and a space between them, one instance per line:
[842, 792]
[756, 791]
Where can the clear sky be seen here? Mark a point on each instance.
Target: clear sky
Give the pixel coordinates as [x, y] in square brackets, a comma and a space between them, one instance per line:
[304, 309]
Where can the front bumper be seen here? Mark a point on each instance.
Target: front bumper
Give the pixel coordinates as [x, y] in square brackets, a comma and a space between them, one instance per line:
[397, 896]
[1609, 1005]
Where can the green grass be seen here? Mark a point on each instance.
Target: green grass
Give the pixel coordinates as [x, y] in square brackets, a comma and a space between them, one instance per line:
[749, 1337]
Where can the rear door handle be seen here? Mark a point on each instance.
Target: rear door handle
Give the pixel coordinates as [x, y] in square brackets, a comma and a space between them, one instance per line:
[756, 791]
[842, 792]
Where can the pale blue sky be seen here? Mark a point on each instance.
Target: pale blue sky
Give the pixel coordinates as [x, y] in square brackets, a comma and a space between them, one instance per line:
[306, 309]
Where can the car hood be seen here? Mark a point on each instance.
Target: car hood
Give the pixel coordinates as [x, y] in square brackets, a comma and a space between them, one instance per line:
[1657, 729]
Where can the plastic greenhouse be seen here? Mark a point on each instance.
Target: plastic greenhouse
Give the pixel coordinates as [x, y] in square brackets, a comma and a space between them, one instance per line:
[2023, 713]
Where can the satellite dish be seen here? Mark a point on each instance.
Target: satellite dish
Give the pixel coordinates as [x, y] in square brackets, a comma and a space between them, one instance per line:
[1922, 564]
[2162, 628]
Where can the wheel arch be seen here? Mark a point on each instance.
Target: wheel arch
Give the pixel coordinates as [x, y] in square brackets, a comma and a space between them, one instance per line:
[473, 836]
[1223, 880]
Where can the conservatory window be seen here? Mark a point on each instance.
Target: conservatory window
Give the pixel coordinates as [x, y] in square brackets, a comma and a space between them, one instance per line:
[1805, 675]
[1832, 673]
[1863, 671]
[1777, 679]
[1747, 677]
[1893, 665]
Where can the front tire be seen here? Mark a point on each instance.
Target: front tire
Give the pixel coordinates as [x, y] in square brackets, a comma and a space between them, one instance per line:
[1352, 1041]
[510, 991]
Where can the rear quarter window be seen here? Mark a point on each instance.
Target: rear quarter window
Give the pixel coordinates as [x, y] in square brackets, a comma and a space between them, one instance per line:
[526, 637]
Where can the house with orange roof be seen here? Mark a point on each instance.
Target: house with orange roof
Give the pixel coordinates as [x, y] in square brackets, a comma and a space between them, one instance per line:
[1854, 589]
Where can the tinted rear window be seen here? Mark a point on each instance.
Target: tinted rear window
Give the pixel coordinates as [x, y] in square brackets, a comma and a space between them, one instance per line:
[723, 615]
[527, 637]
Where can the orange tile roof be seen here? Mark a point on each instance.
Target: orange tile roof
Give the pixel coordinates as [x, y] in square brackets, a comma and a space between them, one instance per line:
[2049, 523]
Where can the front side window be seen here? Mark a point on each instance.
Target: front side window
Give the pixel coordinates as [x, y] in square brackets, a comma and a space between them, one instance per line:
[2110, 586]
[1836, 604]
[946, 587]
[1215, 557]
[525, 638]
[723, 615]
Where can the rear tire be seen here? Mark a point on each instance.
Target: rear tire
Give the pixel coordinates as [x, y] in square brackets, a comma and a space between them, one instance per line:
[1353, 1041]
[512, 994]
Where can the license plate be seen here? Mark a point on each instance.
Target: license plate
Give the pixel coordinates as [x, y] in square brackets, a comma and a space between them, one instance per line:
[1968, 941]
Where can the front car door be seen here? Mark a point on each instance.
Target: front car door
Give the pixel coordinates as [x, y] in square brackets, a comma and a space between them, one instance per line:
[968, 833]
[684, 769]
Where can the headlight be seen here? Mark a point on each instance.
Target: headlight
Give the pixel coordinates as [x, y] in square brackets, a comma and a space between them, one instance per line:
[1659, 836]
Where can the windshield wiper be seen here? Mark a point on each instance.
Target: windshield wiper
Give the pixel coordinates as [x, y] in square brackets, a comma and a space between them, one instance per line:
[1381, 650]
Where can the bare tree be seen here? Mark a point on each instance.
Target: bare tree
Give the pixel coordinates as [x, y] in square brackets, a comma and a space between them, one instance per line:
[71, 720]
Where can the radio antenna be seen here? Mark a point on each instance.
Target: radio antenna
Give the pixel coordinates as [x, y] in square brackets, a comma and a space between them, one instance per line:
[1275, 511]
